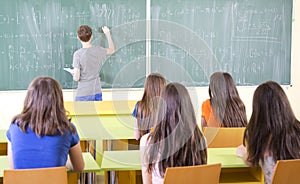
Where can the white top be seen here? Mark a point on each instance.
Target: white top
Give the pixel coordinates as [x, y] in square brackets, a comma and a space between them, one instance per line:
[156, 177]
[268, 168]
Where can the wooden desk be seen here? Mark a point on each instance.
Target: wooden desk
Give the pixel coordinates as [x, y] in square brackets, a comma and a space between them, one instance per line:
[234, 170]
[104, 127]
[90, 166]
[3, 142]
[120, 107]
[103, 120]
[113, 132]
[116, 132]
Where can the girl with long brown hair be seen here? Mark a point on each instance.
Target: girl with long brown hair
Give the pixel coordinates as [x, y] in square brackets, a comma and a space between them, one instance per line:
[273, 132]
[142, 112]
[176, 139]
[42, 135]
[225, 107]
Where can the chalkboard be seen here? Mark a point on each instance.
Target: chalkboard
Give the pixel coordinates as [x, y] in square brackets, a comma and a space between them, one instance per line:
[251, 39]
[184, 40]
[40, 37]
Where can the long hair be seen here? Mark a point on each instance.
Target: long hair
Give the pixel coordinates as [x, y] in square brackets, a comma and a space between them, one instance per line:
[226, 103]
[176, 139]
[273, 127]
[43, 109]
[152, 90]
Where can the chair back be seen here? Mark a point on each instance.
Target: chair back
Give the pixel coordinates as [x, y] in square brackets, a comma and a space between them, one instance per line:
[200, 174]
[287, 171]
[52, 175]
[222, 137]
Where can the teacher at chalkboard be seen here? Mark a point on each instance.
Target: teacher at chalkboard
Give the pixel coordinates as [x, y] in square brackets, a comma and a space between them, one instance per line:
[87, 62]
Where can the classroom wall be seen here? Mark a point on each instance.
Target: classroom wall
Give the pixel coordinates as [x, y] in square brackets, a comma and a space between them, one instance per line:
[12, 101]
[294, 92]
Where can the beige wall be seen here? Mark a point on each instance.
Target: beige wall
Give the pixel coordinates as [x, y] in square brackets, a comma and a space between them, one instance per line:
[11, 101]
[294, 92]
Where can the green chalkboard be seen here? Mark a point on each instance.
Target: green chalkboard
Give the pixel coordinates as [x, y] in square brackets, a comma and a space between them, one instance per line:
[251, 39]
[184, 40]
[38, 37]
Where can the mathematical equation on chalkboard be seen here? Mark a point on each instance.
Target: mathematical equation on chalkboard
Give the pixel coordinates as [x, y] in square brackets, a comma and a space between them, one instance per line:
[249, 39]
[65, 14]
[41, 38]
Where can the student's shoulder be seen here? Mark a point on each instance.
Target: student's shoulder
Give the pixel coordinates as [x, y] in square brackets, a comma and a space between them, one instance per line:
[78, 51]
[14, 129]
[15, 124]
[97, 47]
[134, 113]
[73, 125]
[206, 101]
[137, 103]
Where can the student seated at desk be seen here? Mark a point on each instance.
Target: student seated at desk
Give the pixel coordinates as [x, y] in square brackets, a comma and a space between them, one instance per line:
[41, 135]
[143, 108]
[273, 132]
[225, 107]
[176, 139]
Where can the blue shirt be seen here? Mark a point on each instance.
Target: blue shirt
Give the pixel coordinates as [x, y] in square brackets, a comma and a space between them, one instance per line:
[135, 114]
[31, 151]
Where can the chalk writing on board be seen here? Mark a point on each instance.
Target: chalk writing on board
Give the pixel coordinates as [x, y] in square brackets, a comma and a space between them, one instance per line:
[39, 37]
[250, 40]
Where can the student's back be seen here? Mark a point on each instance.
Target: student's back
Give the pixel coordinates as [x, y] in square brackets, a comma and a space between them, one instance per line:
[273, 131]
[87, 62]
[32, 151]
[225, 107]
[176, 139]
[142, 112]
[41, 135]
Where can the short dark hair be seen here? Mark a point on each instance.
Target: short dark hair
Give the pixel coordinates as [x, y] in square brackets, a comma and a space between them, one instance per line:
[84, 33]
